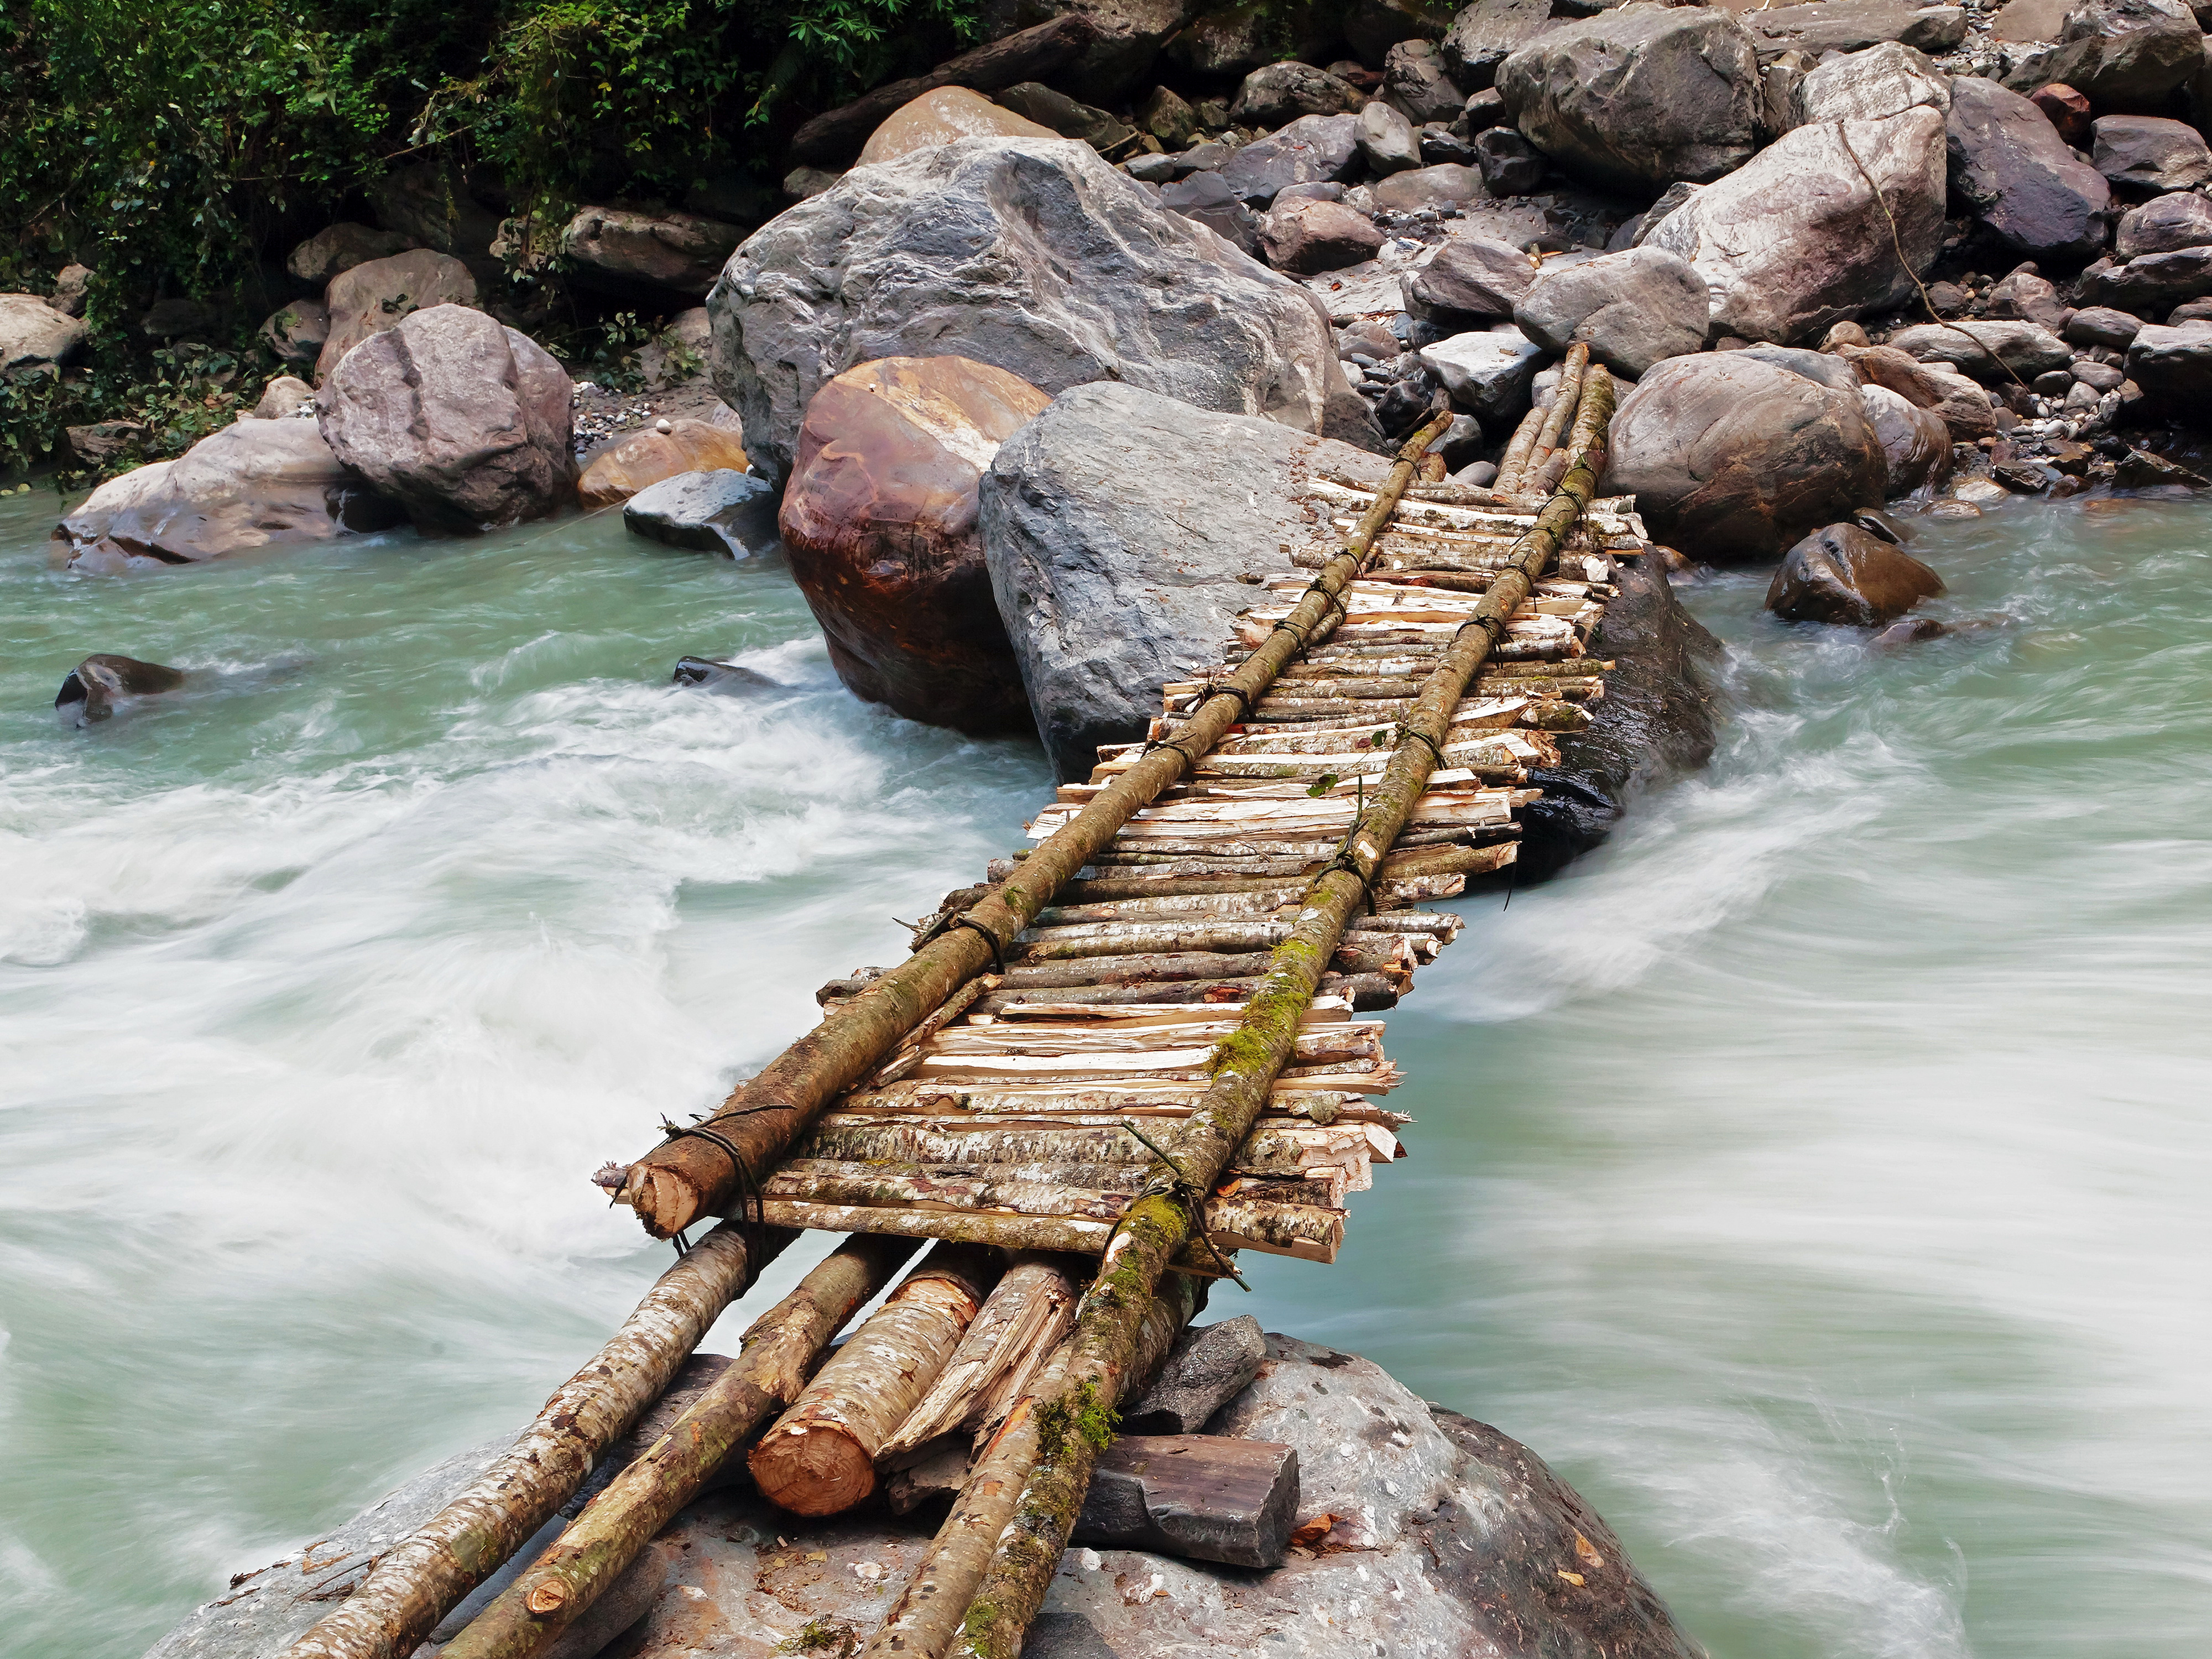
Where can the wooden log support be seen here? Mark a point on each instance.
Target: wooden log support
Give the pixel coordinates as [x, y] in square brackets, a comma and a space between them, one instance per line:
[1204, 1497]
[777, 1354]
[1027, 1315]
[1157, 1227]
[420, 1580]
[820, 1457]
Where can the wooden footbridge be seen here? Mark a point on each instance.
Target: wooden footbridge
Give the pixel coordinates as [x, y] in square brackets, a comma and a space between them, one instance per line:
[1138, 1047]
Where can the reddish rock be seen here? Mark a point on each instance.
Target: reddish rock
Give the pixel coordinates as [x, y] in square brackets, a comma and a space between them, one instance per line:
[1843, 575]
[1310, 237]
[648, 457]
[879, 520]
[2069, 112]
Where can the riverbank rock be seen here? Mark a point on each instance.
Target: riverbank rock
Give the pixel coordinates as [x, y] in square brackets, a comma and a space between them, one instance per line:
[938, 117]
[646, 457]
[879, 520]
[1123, 531]
[1307, 237]
[1038, 258]
[1282, 93]
[431, 205]
[1872, 85]
[2173, 364]
[35, 335]
[375, 295]
[714, 512]
[340, 248]
[646, 256]
[1445, 1537]
[1844, 575]
[1849, 25]
[2164, 224]
[1313, 149]
[1641, 97]
[1731, 459]
[1655, 722]
[1795, 240]
[254, 484]
[1985, 350]
[465, 422]
[91, 689]
[1914, 442]
[1633, 309]
[2144, 153]
[2010, 165]
[2120, 54]
[1488, 372]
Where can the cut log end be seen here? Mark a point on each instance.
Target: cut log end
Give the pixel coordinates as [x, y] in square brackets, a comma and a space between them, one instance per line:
[813, 1468]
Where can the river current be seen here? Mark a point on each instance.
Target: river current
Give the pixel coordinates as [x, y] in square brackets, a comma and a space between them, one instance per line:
[1815, 1177]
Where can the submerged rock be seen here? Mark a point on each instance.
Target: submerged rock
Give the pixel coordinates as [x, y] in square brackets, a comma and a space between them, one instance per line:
[707, 674]
[1037, 257]
[879, 520]
[90, 690]
[1844, 575]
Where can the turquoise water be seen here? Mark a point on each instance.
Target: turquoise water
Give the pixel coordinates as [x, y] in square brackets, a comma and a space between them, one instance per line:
[1813, 1176]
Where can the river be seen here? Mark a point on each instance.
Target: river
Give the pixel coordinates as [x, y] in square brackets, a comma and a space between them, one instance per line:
[1815, 1177]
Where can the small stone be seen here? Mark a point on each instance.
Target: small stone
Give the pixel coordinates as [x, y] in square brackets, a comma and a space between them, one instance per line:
[1207, 1367]
[1844, 333]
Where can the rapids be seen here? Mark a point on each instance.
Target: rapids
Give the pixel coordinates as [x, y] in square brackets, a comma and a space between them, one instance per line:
[1811, 1175]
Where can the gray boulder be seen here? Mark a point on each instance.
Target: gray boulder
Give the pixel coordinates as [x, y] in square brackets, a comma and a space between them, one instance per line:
[646, 256]
[462, 421]
[1387, 142]
[1509, 163]
[2148, 285]
[1035, 255]
[1637, 98]
[1730, 459]
[1849, 25]
[1871, 85]
[2101, 325]
[1796, 239]
[1843, 575]
[2120, 54]
[1488, 373]
[1207, 198]
[340, 247]
[718, 512]
[1485, 34]
[1283, 92]
[1418, 85]
[1312, 149]
[1120, 528]
[2173, 364]
[1208, 1366]
[1447, 183]
[1914, 440]
[2178, 220]
[2150, 152]
[2027, 296]
[376, 295]
[1633, 309]
[1984, 350]
[1471, 279]
[2010, 165]
[35, 335]
[254, 484]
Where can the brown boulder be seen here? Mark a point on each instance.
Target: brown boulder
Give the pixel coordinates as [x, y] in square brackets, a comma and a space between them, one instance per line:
[1963, 406]
[1841, 574]
[940, 117]
[1730, 457]
[1915, 440]
[644, 256]
[371, 297]
[648, 457]
[880, 522]
[465, 422]
[1307, 237]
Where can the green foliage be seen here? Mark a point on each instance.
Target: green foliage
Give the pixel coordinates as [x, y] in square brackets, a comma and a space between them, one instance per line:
[178, 393]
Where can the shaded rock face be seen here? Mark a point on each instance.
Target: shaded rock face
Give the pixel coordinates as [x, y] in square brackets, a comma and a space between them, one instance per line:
[1125, 37]
[2143, 153]
[1485, 34]
[1231, 43]
[1655, 722]
[1416, 83]
[1633, 309]
[647, 458]
[1122, 531]
[2121, 54]
[2182, 219]
[340, 248]
[1730, 459]
[91, 689]
[1639, 98]
[1795, 240]
[33, 333]
[1842, 574]
[712, 512]
[1033, 256]
[296, 333]
[647, 255]
[2008, 163]
[940, 117]
[465, 422]
[374, 295]
[254, 484]
[430, 205]
[1915, 440]
[879, 520]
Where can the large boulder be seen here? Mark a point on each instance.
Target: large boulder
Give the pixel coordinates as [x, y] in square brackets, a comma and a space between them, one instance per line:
[1282, 93]
[431, 205]
[646, 256]
[1633, 309]
[1312, 149]
[1034, 256]
[2173, 364]
[1469, 279]
[1797, 239]
[1488, 373]
[374, 295]
[1417, 84]
[619, 471]
[2143, 153]
[1914, 442]
[2164, 224]
[254, 484]
[1306, 237]
[1871, 85]
[2022, 179]
[1387, 142]
[1986, 350]
[1485, 34]
[1229, 44]
[1844, 575]
[1639, 98]
[1849, 26]
[1731, 459]
[940, 117]
[880, 519]
[1122, 530]
[465, 422]
[34, 335]
[2121, 54]
[340, 248]
[1124, 37]
[2150, 285]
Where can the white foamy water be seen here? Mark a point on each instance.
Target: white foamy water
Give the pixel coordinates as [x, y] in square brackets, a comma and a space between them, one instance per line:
[1814, 1177]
